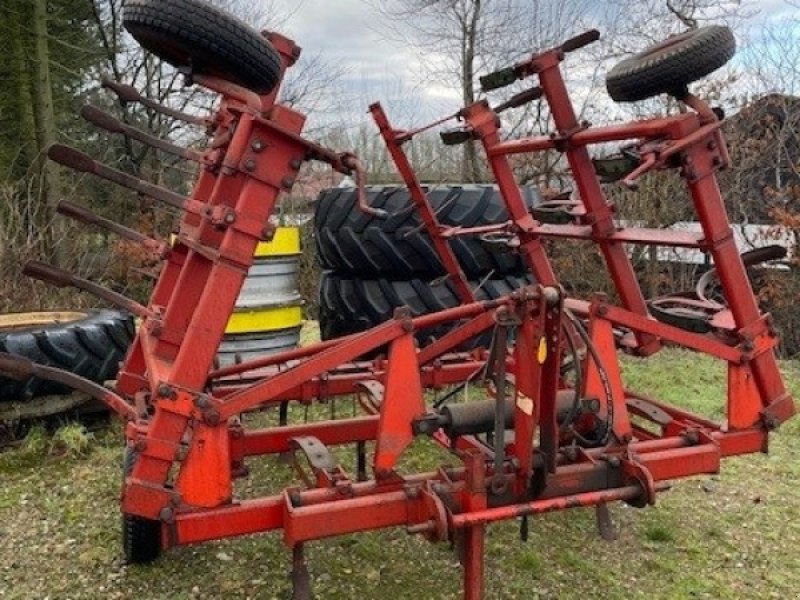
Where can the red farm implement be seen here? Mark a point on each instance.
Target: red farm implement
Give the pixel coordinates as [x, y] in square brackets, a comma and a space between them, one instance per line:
[538, 441]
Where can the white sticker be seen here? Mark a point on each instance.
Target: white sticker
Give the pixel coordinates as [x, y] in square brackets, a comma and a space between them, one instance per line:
[525, 404]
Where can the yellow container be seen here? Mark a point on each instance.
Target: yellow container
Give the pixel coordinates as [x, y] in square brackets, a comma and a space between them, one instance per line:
[285, 243]
[268, 319]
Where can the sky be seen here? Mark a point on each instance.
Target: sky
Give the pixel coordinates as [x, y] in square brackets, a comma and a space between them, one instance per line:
[350, 35]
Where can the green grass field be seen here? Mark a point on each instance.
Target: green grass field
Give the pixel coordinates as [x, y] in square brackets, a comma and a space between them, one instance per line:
[734, 535]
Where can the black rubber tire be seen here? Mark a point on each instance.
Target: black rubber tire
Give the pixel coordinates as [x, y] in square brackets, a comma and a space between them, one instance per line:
[141, 538]
[91, 347]
[351, 305]
[673, 64]
[209, 40]
[350, 241]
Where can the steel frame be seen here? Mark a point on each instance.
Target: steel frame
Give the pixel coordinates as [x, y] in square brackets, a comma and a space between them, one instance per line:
[191, 443]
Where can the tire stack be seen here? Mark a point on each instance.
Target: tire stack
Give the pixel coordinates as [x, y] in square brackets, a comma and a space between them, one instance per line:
[374, 265]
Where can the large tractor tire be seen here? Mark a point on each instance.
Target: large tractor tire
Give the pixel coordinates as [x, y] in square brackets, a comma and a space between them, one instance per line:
[351, 305]
[88, 344]
[350, 241]
[668, 67]
[195, 34]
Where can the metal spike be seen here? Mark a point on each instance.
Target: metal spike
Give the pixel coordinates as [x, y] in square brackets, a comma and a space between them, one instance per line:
[77, 160]
[111, 124]
[61, 278]
[127, 93]
[18, 367]
[605, 525]
[84, 215]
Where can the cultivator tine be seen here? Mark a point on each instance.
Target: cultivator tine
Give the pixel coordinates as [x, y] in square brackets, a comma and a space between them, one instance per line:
[60, 278]
[301, 581]
[111, 124]
[520, 99]
[84, 215]
[17, 367]
[78, 161]
[605, 525]
[127, 93]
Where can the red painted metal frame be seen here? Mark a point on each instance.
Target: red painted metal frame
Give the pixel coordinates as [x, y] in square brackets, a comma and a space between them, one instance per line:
[191, 443]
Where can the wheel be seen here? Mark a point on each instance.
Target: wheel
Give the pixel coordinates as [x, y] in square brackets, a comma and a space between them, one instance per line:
[88, 344]
[673, 64]
[141, 538]
[350, 305]
[193, 33]
[353, 242]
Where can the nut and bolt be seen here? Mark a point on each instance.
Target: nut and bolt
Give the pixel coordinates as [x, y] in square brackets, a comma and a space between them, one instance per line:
[295, 163]
[287, 182]
[268, 233]
[167, 514]
[250, 165]
[257, 145]
[211, 417]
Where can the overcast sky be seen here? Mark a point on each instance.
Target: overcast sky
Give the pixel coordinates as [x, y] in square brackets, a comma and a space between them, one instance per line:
[350, 34]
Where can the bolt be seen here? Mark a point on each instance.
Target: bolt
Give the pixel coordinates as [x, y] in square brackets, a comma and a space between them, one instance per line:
[211, 417]
[257, 145]
[202, 402]
[748, 346]
[551, 296]
[287, 182]
[229, 217]
[250, 165]
[771, 422]
[167, 514]
[412, 492]
[717, 161]
[295, 163]
[712, 145]
[268, 233]
[570, 453]
[166, 391]
[602, 310]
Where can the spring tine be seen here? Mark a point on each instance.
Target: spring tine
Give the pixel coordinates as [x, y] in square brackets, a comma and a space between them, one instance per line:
[84, 215]
[18, 367]
[127, 93]
[111, 124]
[61, 278]
[77, 160]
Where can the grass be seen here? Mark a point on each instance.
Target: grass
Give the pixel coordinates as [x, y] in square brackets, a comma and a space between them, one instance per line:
[732, 535]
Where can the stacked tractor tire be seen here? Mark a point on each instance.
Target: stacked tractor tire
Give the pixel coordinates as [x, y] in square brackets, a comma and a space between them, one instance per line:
[373, 265]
